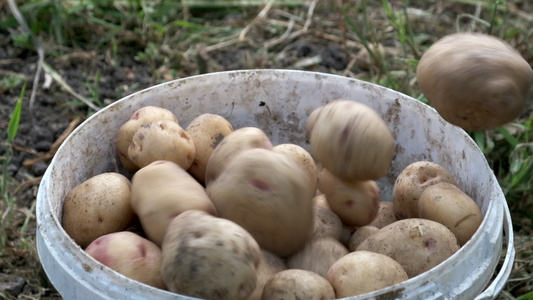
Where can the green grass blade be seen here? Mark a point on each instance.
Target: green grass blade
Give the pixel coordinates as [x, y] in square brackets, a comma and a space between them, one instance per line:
[14, 122]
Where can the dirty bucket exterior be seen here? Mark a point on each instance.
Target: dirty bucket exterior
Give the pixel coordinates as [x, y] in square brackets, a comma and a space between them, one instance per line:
[279, 101]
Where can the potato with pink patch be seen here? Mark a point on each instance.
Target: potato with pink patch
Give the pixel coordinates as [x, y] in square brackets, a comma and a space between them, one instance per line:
[269, 195]
[356, 203]
[416, 244]
[410, 184]
[351, 140]
[130, 255]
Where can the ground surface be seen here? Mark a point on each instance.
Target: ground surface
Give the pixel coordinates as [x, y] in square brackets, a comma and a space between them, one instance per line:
[108, 76]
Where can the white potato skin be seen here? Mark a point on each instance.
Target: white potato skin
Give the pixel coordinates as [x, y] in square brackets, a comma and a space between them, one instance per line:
[297, 284]
[362, 272]
[449, 205]
[352, 141]
[269, 266]
[163, 190]
[206, 131]
[326, 223]
[385, 215]
[130, 255]
[98, 206]
[209, 257]
[302, 158]
[416, 244]
[410, 184]
[475, 81]
[239, 140]
[356, 203]
[161, 140]
[269, 195]
[360, 235]
[139, 117]
[318, 255]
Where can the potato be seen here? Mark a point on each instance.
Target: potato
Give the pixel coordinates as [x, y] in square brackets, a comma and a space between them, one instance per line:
[360, 235]
[410, 184]
[318, 255]
[259, 186]
[416, 244]
[320, 200]
[346, 235]
[298, 285]
[163, 190]
[356, 203]
[302, 158]
[130, 255]
[269, 195]
[362, 272]
[385, 215]
[209, 257]
[125, 134]
[449, 205]
[98, 206]
[326, 223]
[206, 131]
[352, 141]
[234, 143]
[475, 81]
[269, 266]
[161, 140]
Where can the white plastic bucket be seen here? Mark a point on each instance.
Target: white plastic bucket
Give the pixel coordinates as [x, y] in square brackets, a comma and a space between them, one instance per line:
[279, 101]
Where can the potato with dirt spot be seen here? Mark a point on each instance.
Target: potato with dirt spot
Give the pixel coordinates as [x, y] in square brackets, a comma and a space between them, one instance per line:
[302, 158]
[356, 203]
[352, 141]
[360, 235]
[269, 266]
[449, 205]
[416, 244]
[269, 195]
[298, 285]
[161, 140]
[239, 140]
[163, 190]
[475, 81]
[206, 131]
[98, 206]
[318, 255]
[362, 272]
[209, 257]
[326, 223]
[125, 134]
[410, 184]
[130, 255]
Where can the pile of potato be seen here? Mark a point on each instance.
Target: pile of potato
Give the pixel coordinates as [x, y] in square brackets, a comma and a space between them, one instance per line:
[222, 213]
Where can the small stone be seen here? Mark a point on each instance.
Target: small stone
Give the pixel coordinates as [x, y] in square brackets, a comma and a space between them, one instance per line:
[12, 284]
